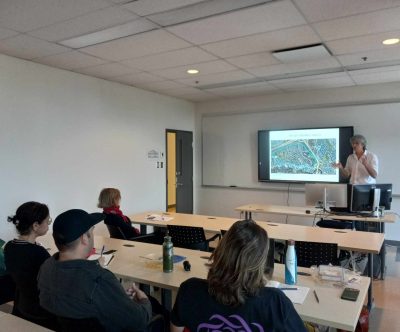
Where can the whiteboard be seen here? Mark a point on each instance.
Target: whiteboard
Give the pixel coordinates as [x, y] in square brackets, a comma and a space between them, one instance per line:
[229, 141]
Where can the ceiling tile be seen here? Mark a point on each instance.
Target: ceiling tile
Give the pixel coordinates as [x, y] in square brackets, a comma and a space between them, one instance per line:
[147, 43]
[27, 47]
[269, 17]
[107, 70]
[322, 10]
[387, 54]
[23, 15]
[200, 97]
[204, 68]
[6, 33]
[171, 59]
[230, 76]
[147, 7]
[362, 43]
[84, 24]
[276, 40]
[70, 60]
[358, 25]
[137, 78]
[253, 60]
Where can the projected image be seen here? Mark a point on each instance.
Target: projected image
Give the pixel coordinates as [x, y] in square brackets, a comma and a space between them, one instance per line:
[312, 156]
[304, 154]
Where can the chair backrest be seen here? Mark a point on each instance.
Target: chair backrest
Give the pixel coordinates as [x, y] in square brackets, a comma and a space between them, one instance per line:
[124, 227]
[82, 324]
[316, 253]
[157, 324]
[188, 237]
[115, 232]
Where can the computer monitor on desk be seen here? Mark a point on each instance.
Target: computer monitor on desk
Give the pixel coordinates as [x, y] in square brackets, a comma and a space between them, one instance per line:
[324, 195]
[362, 197]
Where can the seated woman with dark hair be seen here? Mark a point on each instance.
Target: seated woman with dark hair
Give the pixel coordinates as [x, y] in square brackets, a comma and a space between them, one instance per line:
[109, 201]
[234, 296]
[24, 256]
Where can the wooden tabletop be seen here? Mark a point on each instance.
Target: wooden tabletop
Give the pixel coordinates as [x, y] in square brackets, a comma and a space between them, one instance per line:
[132, 261]
[300, 211]
[10, 322]
[366, 242]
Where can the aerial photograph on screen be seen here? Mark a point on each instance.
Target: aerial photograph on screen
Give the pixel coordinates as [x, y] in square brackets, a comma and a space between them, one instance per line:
[303, 156]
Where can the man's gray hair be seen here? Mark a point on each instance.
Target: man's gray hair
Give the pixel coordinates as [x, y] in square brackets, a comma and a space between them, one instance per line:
[359, 138]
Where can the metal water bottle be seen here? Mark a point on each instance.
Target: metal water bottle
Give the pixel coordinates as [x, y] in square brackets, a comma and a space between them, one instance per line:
[168, 253]
[291, 264]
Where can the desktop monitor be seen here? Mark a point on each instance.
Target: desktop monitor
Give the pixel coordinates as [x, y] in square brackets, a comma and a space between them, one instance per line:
[361, 196]
[336, 194]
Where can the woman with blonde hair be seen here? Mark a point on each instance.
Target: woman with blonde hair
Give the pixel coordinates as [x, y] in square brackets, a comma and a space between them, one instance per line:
[109, 201]
[234, 296]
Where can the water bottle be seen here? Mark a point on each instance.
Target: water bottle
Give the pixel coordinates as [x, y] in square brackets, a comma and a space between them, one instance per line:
[168, 253]
[290, 264]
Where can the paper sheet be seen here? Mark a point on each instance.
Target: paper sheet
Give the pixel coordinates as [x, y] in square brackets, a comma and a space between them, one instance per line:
[296, 294]
[107, 258]
[157, 217]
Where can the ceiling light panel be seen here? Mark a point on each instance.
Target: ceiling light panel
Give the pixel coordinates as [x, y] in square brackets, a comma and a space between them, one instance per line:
[148, 7]
[201, 10]
[148, 43]
[124, 30]
[269, 17]
[85, 24]
[322, 10]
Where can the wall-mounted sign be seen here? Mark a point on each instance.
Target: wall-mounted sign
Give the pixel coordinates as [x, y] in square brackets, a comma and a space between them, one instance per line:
[153, 154]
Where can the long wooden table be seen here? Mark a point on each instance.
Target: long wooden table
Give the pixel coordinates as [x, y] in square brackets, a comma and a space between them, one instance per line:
[365, 242]
[130, 262]
[10, 322]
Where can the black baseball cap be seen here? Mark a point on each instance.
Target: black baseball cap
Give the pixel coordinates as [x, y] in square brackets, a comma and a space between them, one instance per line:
[71, 224]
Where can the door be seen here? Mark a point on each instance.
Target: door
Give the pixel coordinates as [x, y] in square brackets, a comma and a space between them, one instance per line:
[180, 143]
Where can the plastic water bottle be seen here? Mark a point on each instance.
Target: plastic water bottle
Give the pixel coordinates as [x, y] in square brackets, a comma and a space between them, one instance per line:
[168, 253]
[291, 264]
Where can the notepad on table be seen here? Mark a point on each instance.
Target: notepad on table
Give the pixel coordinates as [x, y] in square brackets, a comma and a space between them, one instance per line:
[107, 258]
[158, 217]
[296, 294]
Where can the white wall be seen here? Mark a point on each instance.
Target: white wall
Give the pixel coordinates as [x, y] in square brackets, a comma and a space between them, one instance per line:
[373, 110]
[65, 136]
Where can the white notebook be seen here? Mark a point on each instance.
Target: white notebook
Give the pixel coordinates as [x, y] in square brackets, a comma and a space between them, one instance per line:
[296, 294]
[107, 258]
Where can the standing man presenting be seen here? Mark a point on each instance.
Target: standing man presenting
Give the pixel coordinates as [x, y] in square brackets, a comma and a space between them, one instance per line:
[362, 165]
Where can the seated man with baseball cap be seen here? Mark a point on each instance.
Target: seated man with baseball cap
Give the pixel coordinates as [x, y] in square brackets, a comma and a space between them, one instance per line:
[73, 287]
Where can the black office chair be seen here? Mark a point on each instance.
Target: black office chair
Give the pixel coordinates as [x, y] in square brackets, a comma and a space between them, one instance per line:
[316, 253]
[117, 233]
[190, 237]
[67, 324]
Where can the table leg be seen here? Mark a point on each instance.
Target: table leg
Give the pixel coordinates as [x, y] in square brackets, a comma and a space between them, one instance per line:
[143, 229]
[370, 274]
[166, 298]
[247, 215]
[383, 252]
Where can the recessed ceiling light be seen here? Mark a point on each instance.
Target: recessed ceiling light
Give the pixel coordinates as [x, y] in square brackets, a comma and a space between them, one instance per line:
[391, 41]
[192, 71]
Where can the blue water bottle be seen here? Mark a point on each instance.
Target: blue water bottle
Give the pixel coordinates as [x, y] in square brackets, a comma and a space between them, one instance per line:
[290, 264]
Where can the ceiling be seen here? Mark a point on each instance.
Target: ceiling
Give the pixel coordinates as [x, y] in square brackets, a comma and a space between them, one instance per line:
[150, 44]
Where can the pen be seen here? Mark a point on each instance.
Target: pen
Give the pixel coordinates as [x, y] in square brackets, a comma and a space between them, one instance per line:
[288, 288]
[303, 273]
[316, 296]
[102, 250]
[112, 257]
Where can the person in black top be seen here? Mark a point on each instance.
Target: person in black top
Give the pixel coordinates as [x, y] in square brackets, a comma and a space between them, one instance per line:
[234, 296]
[109, 201]
[24, 256]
